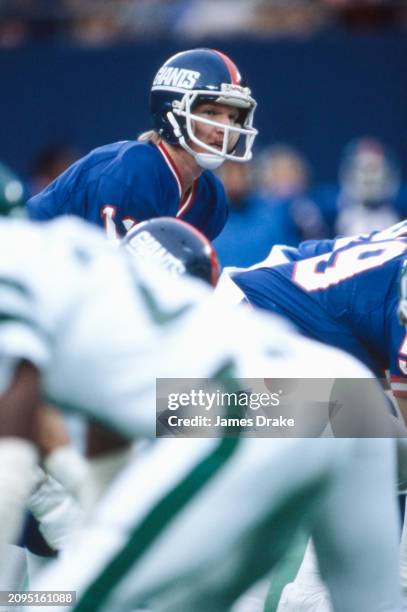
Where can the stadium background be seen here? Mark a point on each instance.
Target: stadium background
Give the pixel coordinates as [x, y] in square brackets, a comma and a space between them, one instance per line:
[76, 75]
[315, 94]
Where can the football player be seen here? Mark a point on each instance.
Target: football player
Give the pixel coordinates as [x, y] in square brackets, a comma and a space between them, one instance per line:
[343, 292]
[99, 328]
[178, 248]
[202, 114]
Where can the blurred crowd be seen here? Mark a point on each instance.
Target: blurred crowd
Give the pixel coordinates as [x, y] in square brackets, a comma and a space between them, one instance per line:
[95, 22]
[274, 199]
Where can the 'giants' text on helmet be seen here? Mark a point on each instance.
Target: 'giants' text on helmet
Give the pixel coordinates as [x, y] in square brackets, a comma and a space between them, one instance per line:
[175, 246]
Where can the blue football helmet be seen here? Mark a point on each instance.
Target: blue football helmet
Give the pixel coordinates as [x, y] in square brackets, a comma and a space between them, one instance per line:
[174, 245]
[191, 78]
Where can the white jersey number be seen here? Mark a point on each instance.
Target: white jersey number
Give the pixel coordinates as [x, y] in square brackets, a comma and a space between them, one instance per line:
[312, 274]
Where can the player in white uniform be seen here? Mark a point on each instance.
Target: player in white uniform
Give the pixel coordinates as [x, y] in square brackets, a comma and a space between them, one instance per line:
[185, 526]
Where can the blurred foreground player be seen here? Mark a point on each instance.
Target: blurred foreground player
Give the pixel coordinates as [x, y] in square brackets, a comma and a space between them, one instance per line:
[202, 114]
[97, 312]
[12, 204]
[178, 248]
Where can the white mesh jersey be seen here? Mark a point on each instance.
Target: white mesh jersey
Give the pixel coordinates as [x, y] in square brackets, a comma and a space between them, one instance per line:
[101, 326]
[79, 309]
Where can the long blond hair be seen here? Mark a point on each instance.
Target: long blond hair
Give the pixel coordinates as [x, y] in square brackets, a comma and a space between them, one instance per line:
[150, 136]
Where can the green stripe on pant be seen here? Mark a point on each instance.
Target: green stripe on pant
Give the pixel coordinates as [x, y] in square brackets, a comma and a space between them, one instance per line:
[163, 512]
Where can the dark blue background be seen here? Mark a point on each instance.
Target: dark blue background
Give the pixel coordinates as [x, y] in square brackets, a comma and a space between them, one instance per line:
[314, 93]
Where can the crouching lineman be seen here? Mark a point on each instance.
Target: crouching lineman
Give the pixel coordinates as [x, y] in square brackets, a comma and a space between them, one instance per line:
[328, 289]
[91, 329]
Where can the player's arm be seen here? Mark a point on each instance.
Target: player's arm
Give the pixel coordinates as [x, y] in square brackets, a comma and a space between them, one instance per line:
[312, 248]
[61, 459]
[55, 509]
[70, 484]
[54, 501]
[18, 403]
[42, 206]
[18, 454]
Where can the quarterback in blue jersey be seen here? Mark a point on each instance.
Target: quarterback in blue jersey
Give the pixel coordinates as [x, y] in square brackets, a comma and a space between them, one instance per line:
[344, 293]
[202, 115]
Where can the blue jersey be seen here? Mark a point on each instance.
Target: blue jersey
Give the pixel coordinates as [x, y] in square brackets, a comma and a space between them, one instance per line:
[344, 293]
[120, 184]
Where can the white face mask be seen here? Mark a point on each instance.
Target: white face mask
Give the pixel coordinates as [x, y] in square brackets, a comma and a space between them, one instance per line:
[213, 157]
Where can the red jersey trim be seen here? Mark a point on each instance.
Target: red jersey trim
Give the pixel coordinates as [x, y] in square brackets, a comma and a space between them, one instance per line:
[187, 200]
[172, 166]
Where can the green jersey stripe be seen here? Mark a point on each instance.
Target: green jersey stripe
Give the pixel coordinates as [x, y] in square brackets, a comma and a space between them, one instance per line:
[162, 514]
[6, 318]
[17, 286]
